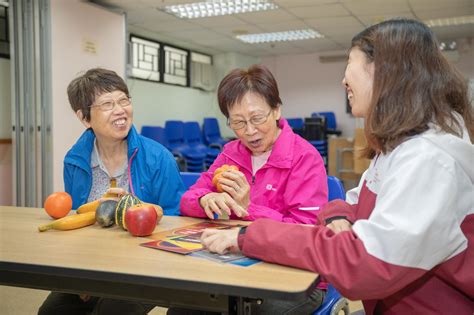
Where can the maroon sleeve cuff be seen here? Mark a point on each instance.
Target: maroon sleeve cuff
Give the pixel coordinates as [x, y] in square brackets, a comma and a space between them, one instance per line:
[336, 209]
[241, 237]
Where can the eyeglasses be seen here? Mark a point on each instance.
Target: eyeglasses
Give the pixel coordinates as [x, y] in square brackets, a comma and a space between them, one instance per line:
[110, 104]
[254, 120]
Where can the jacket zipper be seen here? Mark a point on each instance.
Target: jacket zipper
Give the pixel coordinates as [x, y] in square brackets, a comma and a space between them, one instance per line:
[253, 179]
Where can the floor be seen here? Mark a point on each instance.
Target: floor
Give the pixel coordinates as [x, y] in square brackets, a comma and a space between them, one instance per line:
[20, 301]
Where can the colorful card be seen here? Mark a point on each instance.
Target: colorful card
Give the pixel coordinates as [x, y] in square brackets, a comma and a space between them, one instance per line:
[187, 240]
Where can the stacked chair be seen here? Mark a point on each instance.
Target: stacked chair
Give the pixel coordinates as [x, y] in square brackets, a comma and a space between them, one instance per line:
[297, 124]
[192, 137]
[185, 141]
[174, 130]
[157, 133]
[315, 133]
[212, 134]
[331, 125]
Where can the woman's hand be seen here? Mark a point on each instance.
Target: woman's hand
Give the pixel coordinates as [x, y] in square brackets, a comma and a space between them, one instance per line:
[114, 193]
[339, 225]
[235, 184]
[221, 241]
[219, 203]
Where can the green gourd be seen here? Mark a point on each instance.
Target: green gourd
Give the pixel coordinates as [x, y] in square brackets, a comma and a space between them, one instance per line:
[122, 206]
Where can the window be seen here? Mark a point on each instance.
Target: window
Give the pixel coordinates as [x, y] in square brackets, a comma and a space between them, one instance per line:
[4, 37]
[145, 59]
[176, 66]
[160, 62]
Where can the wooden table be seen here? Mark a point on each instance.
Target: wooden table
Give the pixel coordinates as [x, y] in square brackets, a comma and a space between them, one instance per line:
[109, 262]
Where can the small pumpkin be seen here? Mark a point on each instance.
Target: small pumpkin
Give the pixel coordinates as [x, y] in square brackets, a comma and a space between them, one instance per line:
[122, 206]
[218, 173]
[105, 213]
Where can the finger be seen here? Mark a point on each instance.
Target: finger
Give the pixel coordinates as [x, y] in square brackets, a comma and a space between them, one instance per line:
[212, 203]
[208, 232]
[222, 203]
[230, 190]
[209, 240]
[209, 212]
[117, 190]
[238, 209]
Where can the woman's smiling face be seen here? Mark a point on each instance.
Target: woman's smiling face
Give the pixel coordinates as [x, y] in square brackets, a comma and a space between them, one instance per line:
[358, 81]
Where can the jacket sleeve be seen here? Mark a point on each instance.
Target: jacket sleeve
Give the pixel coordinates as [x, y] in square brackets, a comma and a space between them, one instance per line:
[408, 233]
[340, 258]
[190, 201]
[306, 192]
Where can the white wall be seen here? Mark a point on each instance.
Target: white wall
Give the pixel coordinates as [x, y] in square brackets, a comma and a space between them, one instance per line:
[307, 86]
[154, 103]
[73, 24]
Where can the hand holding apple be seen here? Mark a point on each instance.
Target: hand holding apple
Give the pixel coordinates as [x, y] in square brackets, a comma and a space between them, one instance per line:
[141, 219]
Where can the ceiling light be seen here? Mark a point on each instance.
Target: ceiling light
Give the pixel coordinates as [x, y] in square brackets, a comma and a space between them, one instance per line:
[211, 8]
[459, 20]
[279, 36]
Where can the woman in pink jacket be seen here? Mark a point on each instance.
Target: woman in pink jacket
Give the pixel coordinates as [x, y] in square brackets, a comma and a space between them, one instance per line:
[281, 176]
[403, 242]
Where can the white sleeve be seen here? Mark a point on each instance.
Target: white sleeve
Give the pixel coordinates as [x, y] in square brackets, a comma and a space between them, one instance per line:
[422, 197]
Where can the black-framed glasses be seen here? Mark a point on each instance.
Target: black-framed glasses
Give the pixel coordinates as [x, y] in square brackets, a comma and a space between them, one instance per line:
[110, 104]
[254, 120]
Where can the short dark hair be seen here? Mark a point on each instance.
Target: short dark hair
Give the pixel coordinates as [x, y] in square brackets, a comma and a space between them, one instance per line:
[83, 90]
[414, 85]
[238, 82]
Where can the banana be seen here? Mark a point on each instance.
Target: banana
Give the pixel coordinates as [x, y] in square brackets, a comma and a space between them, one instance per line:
[88, 207]
[70, 222]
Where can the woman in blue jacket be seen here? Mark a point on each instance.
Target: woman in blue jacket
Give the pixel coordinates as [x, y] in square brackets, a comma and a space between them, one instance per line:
[111, 150]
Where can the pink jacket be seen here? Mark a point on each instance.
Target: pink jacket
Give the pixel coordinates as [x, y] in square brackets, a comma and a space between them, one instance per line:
[294, 178]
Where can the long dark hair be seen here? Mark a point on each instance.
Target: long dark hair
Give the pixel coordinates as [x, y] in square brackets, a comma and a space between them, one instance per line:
[414, 85]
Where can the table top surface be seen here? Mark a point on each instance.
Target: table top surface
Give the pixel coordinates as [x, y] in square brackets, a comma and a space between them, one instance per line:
[112, 253]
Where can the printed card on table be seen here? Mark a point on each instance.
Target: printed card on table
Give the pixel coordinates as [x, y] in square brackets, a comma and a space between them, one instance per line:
[187, 240]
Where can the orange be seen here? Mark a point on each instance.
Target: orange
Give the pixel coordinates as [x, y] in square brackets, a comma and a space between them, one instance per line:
[58, 204]
[218, 173]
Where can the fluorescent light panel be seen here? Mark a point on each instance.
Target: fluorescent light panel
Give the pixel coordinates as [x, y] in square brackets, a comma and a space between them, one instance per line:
[279, 36]
[218, 7]
[459, 20]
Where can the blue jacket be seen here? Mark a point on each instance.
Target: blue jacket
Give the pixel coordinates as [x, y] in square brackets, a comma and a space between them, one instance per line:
[153, 173]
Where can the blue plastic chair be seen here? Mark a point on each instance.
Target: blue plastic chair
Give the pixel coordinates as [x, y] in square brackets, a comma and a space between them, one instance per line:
[297, 124]
[156, 133]
[189, 178]
[335, 189]
[331, 124]
[192, 136]
[334, 302]
[174, 130]
[211, 133]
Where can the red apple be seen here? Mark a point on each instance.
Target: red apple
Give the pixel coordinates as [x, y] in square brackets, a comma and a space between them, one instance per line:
[141, 219]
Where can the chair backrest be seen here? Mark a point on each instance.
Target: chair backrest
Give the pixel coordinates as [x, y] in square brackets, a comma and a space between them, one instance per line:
[156, 133]
[192, 133]
[189, 178]
[335, 189]
[295, 123]
[330, 119]
[314, 128]
[210, 130]
[174, 131]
